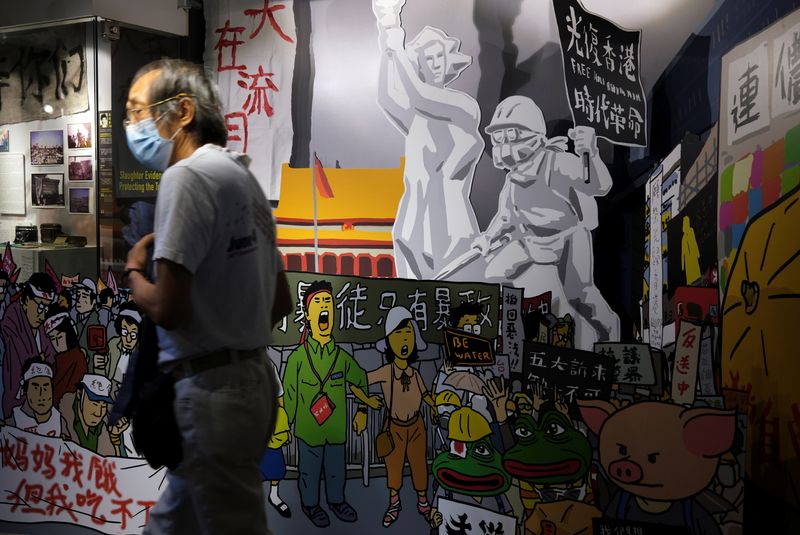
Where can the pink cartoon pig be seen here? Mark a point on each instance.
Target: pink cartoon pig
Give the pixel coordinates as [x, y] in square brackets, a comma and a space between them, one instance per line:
[660, 455]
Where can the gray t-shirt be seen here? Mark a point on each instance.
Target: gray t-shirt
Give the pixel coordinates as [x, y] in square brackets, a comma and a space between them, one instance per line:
[213, 219]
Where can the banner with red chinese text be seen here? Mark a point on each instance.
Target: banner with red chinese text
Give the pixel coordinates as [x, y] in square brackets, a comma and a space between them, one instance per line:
[49, 480]
[687, 358]
[250, 49]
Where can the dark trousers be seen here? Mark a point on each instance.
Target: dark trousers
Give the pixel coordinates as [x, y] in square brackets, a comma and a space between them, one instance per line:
[311, 461]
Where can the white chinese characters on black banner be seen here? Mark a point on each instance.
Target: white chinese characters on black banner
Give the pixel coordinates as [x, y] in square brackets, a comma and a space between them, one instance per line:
[602, 74]
[573, 373]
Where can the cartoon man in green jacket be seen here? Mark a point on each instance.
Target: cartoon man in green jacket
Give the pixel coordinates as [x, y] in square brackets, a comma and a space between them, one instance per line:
[315, 385]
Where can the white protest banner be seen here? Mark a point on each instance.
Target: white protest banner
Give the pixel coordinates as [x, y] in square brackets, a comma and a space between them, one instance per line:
[513, 330]
[49, 480]
[656, 319]
[250, 48]
[634, 364]
[687, 358]
[786, 72]
[747, 100]
[705, 374]
[460, 517]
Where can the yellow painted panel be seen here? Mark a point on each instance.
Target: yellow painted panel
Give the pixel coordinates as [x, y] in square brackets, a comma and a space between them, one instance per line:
[357, 194]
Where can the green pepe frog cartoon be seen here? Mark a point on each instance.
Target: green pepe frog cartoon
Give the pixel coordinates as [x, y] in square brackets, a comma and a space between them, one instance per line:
[473, 466]
[548, 452]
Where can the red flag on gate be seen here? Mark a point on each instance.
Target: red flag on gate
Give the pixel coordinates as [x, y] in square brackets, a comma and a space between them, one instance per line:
[323, 186]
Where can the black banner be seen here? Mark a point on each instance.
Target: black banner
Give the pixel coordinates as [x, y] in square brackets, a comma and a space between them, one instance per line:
[575, 374]
[602, 74]
[465, 349]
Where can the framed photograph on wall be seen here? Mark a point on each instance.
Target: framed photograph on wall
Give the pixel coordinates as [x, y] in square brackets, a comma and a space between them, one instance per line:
[80, 168]
[47, 147]
[105, 120]
[79, 136]
[4, 140]
[80, 201]
[47, 190]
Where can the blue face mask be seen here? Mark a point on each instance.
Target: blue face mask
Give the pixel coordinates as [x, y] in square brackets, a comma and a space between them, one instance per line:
[147, 145]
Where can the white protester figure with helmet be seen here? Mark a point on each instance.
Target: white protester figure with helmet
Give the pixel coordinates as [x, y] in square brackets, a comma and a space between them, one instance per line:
[540, 238]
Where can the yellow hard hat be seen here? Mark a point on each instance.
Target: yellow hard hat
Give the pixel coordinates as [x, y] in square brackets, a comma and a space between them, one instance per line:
[447, 397]
[281, 434]
[467, 425]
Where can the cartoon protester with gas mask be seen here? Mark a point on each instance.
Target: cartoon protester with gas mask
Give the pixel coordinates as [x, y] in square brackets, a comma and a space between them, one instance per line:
[546, 211]
[404, 392]
[314, 388]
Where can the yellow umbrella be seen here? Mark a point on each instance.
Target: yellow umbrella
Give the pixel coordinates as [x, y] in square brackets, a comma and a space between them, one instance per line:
[760, 313]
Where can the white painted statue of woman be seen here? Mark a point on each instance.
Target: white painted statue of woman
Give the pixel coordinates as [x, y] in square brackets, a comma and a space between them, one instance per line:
[435, 221]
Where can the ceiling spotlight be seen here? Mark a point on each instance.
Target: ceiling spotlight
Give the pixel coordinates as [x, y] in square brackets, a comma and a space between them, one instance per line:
[48, 108]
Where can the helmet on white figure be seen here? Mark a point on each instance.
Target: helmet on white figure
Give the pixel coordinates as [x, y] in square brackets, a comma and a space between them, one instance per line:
[517, 130]
[517, 112]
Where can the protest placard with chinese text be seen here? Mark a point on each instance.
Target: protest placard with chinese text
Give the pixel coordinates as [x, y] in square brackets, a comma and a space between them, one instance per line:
[602, 74]
[48, 480]
[687, 357]
[634, 364]
[573, 373]
[361, 305]
[250, 48]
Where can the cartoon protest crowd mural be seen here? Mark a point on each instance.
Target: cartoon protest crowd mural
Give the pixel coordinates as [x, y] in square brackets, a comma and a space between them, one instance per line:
[483, 377]
[551, 442]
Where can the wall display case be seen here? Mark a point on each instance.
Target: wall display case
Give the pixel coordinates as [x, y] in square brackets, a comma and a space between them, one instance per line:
[63, 154]
[50, 92]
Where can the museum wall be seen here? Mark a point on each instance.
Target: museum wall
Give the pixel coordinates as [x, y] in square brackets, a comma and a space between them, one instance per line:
[584, 301]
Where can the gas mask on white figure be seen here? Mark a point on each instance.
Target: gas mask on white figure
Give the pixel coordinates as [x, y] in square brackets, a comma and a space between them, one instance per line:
[513, 146]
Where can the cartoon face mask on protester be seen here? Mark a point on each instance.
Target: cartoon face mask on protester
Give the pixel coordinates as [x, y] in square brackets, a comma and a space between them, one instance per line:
[518, 132]
[511, 151]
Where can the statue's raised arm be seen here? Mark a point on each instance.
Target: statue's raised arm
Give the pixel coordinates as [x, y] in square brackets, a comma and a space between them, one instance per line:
[435, 220]
[414, 76]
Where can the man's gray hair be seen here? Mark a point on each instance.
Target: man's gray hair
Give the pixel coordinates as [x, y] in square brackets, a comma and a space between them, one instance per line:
[180, 76]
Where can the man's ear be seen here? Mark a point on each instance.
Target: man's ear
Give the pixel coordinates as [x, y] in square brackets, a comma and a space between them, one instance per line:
[186, 110]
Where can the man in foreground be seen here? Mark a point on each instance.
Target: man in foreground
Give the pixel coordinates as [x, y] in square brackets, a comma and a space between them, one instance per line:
[219, 287]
